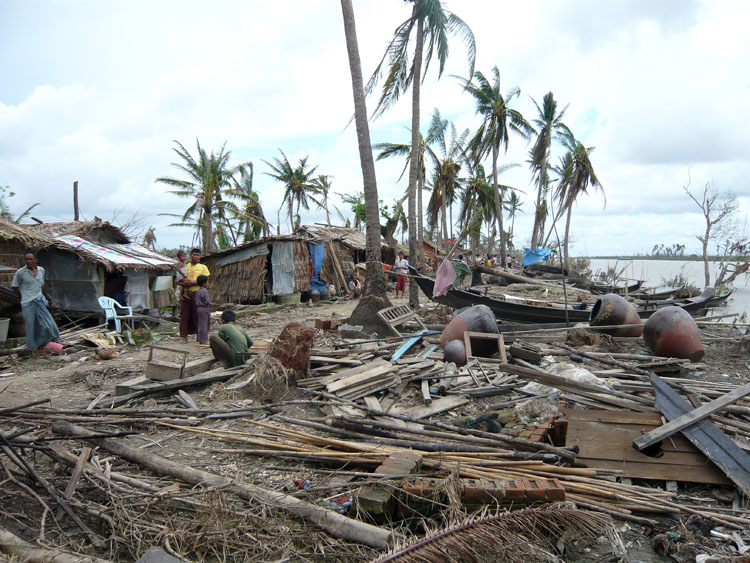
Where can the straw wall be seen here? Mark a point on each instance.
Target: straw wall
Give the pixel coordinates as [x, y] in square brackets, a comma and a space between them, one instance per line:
[240, 282]
[301, 266]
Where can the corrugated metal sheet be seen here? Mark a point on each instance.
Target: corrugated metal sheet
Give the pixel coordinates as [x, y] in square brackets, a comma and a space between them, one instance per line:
[282, 262]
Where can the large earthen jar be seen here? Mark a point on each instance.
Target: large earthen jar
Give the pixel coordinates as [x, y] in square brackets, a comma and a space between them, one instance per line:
[478, 318]
[672, 332]
[612, 309]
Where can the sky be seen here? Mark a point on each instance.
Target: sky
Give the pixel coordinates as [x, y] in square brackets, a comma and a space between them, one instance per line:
[96, 91]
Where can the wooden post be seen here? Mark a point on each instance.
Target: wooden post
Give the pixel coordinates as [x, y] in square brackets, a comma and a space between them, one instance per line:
[75, 200]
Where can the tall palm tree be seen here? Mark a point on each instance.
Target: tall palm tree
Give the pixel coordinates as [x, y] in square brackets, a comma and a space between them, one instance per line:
[300, 187]
[513, 206]
[498, 120]
[447, 162]
[388, 150]
[576, 176]
[357, 203]
[427, 28]
[548, 125]
[323, 181]
[252, 221]
[209, 175]
[375, 288]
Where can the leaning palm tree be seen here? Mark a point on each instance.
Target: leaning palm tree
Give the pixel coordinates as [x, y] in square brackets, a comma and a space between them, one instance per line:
[498, 120]
[548, 125]
[209, 176]
[427, 29]
[375, 297]
[576, 176]
[299, 185]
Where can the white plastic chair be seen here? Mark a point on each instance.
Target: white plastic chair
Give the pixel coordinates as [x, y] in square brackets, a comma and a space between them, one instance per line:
[110, 307]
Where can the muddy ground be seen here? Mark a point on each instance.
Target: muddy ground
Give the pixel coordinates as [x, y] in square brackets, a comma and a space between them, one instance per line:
[78, 379]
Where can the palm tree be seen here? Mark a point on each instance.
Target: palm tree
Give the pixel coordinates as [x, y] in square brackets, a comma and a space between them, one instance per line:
[447, 166]
[300, 185]
[375, 289]
[576, 176]
[498, 119]
[388, 150]
[548, 124]
[323, 183]
[209, 175]
[513, 206]
[476, 204]
[357, 203]
[427, 28]
[252, 221]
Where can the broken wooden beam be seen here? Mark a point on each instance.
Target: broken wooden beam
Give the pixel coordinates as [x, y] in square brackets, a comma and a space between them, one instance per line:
[714, 444]
[690, 418]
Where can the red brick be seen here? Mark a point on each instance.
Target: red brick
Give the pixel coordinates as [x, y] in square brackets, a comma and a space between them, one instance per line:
[534, 492]
[554, 491]
[515, 491]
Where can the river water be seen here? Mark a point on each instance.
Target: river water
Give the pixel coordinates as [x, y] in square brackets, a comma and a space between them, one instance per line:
[656, 273]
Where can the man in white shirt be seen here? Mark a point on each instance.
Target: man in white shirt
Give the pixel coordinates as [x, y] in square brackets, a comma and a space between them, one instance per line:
[401, 267]
[40, 326]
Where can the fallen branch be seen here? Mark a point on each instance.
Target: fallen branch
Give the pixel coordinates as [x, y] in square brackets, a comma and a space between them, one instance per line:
[13, 545]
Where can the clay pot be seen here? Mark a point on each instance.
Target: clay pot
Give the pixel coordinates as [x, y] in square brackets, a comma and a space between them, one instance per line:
[455, 351]
[613, 309]
[478, 318]
[672, 332]
[106, 353]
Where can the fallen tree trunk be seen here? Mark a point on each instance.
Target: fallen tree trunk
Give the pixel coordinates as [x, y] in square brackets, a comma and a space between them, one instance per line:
[516, 278]
[332, 522]
[13, 545]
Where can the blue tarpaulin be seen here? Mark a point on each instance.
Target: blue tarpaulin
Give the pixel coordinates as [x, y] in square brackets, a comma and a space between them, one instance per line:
[533, 256]
[317, 253]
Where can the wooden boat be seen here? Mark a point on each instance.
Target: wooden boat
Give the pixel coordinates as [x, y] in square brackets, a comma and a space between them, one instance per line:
[601, 289]
[524, 312]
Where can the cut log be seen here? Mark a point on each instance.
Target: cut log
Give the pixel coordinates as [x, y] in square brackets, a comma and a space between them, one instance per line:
[25, 551]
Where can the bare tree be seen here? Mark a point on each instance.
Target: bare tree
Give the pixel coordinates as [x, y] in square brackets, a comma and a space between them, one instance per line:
[717, 208]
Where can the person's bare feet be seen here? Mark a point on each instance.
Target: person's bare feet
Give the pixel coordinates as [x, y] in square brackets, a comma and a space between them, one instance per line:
[203, 344]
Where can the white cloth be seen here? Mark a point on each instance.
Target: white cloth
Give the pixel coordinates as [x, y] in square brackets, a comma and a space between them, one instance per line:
[401, 266]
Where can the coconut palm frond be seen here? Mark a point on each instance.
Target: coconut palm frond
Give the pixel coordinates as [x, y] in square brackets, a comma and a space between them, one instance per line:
[520, 536]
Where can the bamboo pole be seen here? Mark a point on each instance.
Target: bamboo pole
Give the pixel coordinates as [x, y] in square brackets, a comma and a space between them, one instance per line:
[334, 523]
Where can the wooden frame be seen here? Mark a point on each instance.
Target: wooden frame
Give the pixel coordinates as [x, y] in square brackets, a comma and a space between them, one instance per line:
[485, 336]
[398, 315]
[162, 371]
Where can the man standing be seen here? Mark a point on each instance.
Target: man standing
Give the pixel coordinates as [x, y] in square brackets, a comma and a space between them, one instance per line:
[401, 268]
[232, 345]
[188, 324]
[40, 326]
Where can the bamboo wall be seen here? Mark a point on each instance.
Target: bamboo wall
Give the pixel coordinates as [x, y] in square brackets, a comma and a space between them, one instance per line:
[240, 282]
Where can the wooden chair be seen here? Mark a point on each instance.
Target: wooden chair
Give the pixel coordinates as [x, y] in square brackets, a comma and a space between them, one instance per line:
[111, 308]
[398, 315]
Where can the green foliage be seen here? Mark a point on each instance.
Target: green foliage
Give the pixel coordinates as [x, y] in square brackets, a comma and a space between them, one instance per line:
[300, 185]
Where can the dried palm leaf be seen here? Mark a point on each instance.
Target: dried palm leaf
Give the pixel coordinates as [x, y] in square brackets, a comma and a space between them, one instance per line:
[526, 535]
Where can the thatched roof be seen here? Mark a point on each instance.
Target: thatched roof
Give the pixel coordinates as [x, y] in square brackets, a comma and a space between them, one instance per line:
[99, 242]
[79, 229]
[246, 245]
[353, 238]
[11, 231]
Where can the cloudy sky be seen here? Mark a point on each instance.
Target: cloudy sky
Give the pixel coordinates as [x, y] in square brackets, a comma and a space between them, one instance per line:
[97, 90]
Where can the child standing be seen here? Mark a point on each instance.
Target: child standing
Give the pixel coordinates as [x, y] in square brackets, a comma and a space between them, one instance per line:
[202, 303]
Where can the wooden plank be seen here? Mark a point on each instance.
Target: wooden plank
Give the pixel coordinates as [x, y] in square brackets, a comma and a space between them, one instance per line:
[440, 405]
[716, 445]
[157, 387]
[372, 403]
[339, 361]
[690, 418]
[605, 437]
[369, 375]
[426, 397]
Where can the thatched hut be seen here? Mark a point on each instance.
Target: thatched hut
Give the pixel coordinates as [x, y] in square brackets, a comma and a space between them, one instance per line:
[85, 260]
[256, 271]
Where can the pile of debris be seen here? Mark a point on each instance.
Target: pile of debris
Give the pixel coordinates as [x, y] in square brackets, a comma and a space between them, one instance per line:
[541, 442]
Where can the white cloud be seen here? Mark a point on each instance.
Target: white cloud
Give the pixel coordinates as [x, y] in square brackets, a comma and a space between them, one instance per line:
[97, 91]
